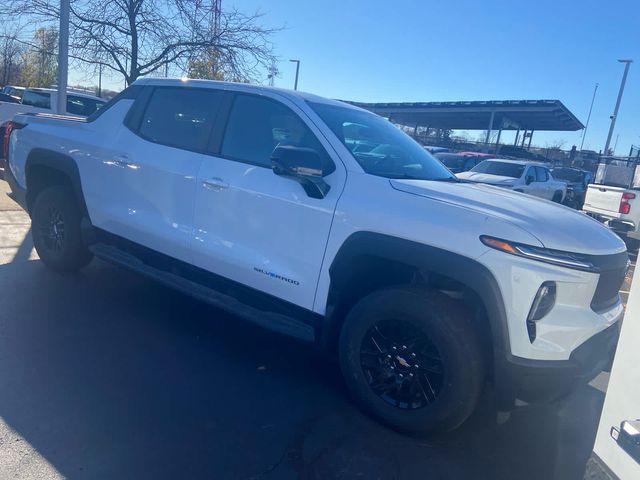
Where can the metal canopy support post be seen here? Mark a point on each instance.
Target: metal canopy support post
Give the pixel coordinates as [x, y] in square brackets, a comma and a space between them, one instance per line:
[498, 139]
[515, 142]
[415, 131]
[617, 107]
[530, 137]
[63, 57]
[524, 137]
[486, 140]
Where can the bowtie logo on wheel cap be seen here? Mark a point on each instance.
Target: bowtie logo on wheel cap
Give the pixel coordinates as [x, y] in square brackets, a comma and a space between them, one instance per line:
[402, 362]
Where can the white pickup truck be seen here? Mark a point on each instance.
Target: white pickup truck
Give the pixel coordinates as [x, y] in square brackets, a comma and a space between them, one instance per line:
[532, 178]
[614, 198]
[258, 201]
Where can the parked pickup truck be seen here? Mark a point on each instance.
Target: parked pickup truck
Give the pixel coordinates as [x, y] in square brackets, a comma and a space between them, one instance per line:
[42, 100]
[614, 198]
[533, 178]
[250, 198]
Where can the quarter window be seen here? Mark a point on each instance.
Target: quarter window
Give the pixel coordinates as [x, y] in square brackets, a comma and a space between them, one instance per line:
[257, 125]
[181, 117]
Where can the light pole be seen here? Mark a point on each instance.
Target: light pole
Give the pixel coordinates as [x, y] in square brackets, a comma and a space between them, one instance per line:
[617, 107]
[63, 57]
[100, 80]
[297, 62]
[584, 132]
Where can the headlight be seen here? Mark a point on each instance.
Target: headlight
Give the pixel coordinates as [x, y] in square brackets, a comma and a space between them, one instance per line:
[554, 257]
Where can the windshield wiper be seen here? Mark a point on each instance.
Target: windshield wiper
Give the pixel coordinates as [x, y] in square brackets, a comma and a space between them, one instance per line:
[447, 179]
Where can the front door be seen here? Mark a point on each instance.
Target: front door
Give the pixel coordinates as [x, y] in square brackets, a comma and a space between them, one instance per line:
[252, 226]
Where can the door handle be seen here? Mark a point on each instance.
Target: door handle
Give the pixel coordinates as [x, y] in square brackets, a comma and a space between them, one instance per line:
[215, 184]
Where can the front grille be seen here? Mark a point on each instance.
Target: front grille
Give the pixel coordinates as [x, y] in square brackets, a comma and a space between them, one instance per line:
[612, 273]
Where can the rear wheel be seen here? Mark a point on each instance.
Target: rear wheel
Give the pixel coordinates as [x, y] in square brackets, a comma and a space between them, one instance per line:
[411, 359]
[56, 230]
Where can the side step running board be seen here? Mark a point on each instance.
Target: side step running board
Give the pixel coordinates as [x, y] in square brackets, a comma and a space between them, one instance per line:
[269, 320]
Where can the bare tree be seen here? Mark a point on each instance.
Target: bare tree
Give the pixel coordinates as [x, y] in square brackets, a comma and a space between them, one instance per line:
[11, 52]
[139, 37]
[556, 144]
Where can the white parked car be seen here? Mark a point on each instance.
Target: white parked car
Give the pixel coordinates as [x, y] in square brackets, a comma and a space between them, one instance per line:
[259, 201]
[533, 178]
[43, 100]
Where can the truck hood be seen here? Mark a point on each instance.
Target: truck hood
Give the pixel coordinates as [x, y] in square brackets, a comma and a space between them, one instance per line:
[555, 226]
[488, 178]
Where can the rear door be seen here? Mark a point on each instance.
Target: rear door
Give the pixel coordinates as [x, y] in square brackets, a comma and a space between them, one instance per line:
[149, 186]
[252, 226]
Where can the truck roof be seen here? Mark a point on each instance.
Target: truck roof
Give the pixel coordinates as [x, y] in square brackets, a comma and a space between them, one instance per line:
[241, 86]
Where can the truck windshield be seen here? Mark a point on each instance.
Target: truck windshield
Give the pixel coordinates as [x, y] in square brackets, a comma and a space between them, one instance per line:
[504, 169]
[379, 147]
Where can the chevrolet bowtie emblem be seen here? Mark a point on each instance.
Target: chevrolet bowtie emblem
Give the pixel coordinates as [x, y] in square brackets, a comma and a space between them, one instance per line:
[402, 361]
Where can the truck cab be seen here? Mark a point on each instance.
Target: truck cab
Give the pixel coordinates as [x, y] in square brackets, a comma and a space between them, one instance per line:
[613, 198]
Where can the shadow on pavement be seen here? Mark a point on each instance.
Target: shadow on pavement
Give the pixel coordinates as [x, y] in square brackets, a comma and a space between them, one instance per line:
[108, 375]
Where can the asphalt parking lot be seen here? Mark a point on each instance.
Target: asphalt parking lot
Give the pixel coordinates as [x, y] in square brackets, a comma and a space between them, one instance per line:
[107, 375]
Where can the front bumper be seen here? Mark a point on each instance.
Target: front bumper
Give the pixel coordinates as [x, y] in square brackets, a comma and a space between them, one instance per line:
[573, 342]
[543, 381]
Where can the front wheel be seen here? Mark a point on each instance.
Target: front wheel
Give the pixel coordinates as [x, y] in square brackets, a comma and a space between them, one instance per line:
[557, 197]
[411, 359]
[55, 223]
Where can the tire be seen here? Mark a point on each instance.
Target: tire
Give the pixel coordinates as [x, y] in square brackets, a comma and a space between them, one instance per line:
[557, 197]
[55, 223]
[633, 245]
[443, 401]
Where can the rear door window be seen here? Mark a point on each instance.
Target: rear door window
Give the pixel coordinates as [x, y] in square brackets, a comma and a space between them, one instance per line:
[541, 174]
[37, 99]
[181, 117]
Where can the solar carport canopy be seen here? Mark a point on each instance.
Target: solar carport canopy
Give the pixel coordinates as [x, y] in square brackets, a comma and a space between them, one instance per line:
[482, 115]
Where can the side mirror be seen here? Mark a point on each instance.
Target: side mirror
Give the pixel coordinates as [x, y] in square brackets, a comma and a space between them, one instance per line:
[303, 165]
[529, 180]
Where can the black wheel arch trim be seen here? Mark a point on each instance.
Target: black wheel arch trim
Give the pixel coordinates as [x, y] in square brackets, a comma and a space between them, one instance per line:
[63, 164]
[465, 270]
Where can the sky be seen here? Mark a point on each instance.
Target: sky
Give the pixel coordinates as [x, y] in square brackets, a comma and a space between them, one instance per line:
[427, 50]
